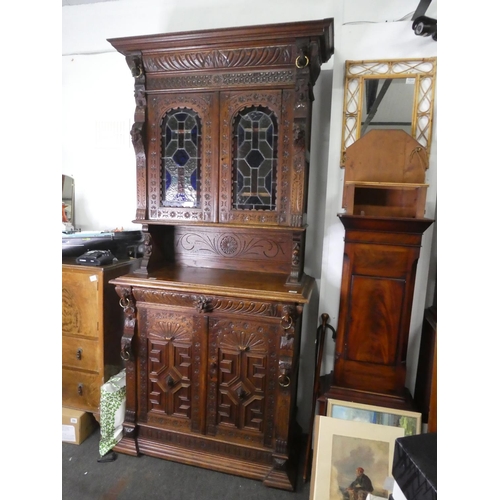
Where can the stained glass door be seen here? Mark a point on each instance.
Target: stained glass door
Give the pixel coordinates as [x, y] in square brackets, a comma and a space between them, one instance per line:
[182, 173]
[251, 153]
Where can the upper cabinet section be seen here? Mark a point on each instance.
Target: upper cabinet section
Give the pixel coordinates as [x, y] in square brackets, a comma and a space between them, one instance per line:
[222, 122]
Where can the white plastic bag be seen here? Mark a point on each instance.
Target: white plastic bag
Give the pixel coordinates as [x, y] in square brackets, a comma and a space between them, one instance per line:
[112, 412]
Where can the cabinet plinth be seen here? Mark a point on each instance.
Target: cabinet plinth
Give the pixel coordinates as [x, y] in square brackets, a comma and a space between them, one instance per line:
[378, 279]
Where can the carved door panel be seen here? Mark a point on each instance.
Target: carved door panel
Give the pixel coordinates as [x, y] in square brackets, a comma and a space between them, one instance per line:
[183, 157]
[242, 379]
[172, 368]
[255, 157]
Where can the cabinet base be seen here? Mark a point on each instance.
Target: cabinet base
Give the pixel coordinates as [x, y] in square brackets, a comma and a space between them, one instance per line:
[275, 471]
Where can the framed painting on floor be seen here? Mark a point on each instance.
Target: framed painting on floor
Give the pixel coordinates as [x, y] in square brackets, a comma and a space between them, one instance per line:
[352, 459]
[410, 421]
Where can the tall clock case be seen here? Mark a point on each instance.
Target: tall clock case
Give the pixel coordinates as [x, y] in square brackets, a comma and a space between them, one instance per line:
[213, 314]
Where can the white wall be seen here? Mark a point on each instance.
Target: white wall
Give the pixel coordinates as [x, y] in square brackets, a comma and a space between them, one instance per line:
[98, 107]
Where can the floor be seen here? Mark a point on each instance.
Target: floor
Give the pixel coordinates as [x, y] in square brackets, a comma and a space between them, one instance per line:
[132, 478]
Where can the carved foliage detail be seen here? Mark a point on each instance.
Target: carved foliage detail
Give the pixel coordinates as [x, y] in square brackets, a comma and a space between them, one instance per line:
[229, 245]
[212, 59]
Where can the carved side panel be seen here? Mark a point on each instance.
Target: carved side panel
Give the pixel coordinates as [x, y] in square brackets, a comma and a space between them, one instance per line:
[138, 131]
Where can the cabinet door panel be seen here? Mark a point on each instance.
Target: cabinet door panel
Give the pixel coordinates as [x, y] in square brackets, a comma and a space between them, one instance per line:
[373, 329]
[173, 368]
[183, 152]
[242, 357]
[251, 149]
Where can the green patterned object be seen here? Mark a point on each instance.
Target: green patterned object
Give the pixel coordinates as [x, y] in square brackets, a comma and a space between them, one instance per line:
[112, 412]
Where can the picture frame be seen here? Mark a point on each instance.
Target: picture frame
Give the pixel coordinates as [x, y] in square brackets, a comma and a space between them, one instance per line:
[341, 447]
[410, 421]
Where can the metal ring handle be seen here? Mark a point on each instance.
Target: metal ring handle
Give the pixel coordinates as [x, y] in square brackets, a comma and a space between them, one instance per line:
[125, 354]
[281, 380]
[288, 322]
[124, 303]
[297, 61]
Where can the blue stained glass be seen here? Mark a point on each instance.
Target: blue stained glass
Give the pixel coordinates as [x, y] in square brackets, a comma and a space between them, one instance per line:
[180, 157]
[181, 161]
[254, 159]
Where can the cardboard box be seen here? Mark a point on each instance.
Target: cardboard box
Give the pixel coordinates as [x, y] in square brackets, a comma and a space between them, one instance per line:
[77, 425]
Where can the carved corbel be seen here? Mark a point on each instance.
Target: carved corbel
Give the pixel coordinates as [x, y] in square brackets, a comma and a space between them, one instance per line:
[127, 303]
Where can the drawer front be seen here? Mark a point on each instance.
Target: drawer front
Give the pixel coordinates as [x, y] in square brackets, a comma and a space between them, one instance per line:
[81, 354]
[81, 390]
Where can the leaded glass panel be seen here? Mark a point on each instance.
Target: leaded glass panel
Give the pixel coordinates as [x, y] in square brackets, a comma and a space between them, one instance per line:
[255, 159]
[181, 158]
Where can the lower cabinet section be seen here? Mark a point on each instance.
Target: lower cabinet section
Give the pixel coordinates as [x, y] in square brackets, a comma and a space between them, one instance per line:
[212, 380]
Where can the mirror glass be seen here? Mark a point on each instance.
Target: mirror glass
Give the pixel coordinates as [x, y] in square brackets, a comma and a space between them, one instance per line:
[388, 104]
[389, 94]
[68, 202]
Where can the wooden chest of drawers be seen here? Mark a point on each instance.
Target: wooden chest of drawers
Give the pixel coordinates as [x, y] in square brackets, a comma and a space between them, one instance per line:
[91, 331]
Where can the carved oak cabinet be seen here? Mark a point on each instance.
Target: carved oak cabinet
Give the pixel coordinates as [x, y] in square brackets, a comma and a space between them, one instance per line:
[213, 313]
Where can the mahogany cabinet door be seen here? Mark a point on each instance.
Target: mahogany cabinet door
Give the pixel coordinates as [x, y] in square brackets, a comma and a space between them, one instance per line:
[242, 374]
[183, 147]
[172, 367]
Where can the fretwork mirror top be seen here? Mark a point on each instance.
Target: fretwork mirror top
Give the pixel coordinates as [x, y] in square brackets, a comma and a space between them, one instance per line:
[389, 94]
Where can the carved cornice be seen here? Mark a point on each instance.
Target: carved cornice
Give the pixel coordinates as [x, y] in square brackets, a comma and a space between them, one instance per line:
[215, 58]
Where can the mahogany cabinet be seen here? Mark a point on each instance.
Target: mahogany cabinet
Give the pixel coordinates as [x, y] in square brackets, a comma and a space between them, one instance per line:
[213, 314]
[91, 331]
[378, 280]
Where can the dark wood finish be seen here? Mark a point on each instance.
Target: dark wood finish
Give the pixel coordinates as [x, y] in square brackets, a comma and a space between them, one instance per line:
[426, 382]
[213, 315]
[91, 332]
[378, 278]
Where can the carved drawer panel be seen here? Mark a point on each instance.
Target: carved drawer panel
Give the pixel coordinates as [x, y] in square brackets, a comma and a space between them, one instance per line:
[81, 389]
[81, 354]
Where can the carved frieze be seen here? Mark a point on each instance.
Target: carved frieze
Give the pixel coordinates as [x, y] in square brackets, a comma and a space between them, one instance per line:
[220, 304]
[215, 58]
[225, 80]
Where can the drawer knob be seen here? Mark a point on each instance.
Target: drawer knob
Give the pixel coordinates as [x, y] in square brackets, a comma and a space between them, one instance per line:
[78, 354]
[80, 389]
[170, 381]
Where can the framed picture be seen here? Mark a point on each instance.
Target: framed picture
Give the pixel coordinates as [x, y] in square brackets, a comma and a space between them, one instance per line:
[410, 421]
[348, 454]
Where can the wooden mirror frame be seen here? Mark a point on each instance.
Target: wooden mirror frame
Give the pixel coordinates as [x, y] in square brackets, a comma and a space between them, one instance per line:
[356, 72]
